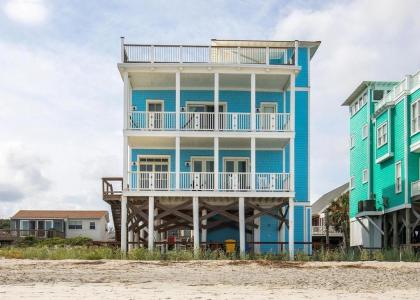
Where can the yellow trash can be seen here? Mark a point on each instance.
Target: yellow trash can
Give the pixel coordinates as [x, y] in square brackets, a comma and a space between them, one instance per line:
[230, 246]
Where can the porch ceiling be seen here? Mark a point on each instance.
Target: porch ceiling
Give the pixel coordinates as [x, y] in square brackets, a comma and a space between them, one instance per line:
[204, 142]
[206, 81]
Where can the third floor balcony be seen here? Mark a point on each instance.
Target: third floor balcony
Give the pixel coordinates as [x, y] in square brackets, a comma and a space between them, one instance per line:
[207, 121]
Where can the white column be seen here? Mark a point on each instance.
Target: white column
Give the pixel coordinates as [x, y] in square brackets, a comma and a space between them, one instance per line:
[126, 99]
[296, 53]
[177, 98]
[142, 235]
[253, 163]
[253, 119]
[216, 101]
[292, 125]
[292, 100]
[151, 229]
[125, 163]
[204, 230]
[291, 229]
[136, 239]
[196, 223]
[257, 233]
[216, 163]
[122, 49]
[242, 226]
[177, 161]
[130, 239]
[124, 224]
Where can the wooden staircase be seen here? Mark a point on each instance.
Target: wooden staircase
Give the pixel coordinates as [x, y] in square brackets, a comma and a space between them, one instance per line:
[111, 194]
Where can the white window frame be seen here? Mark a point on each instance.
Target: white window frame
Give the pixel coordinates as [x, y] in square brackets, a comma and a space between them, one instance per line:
[415, 117]
[398, 177]
[79, 222]
[352, 185]
[365, 175]
[352, 141]
[364, 132]
[382, 138]
[90, 225]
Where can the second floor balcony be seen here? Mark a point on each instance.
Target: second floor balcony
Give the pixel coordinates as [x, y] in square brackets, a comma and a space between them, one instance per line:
[207, 121]
[209, 181]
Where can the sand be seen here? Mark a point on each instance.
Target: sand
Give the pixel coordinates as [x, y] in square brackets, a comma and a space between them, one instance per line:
[112, 279]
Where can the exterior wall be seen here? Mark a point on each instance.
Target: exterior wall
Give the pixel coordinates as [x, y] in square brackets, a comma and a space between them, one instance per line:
[358, 159]
[97, 234]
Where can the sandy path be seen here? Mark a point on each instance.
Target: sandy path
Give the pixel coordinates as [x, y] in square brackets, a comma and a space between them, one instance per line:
[207, 280]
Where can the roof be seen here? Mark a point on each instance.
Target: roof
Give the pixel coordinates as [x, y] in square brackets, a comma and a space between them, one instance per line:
[61, 214]
[312, 45]
[361, 87]
[324, 201]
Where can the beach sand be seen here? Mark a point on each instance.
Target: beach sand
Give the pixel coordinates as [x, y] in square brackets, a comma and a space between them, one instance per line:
[113, 279]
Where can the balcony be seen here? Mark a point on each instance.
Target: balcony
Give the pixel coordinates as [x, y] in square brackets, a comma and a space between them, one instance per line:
[195, 54]
[205, 181]
[205, 121]
[415, 189]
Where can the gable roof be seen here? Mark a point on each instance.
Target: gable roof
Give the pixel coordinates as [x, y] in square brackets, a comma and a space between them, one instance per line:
[324, 201]
[61, 214]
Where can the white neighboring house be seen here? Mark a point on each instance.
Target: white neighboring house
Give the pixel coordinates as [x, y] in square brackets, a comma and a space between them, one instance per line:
[63, 223]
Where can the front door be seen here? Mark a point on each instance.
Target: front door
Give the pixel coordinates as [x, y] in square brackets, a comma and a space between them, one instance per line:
[203, 173]
[236, 173]
[154, 173]
[155, 115]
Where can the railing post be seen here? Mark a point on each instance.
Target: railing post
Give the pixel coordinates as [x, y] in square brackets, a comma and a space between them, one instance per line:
[238, 57]
[296, 53]
[177, 99]
[180, 54]
[253, 102]
[152, 54]
[216, 163]
[122, 50]
[267, 56]
[253, 163]
[216, 101]
[177, 161]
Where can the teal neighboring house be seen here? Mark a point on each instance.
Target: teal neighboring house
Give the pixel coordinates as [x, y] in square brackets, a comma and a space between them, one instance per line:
[384, 163]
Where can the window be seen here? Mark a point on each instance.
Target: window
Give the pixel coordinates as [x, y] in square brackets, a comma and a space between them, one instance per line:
[364, 131]
[352, 182]
[382, 135]
[364, 98]
[415, 117]
[75, 224]
[365, 176]
[398, 179]
[92, 225]
[351, 141]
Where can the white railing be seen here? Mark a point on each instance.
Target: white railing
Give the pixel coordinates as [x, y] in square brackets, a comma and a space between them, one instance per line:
[152, 120]
[273, 121]
[234, 181]
[320, 230]
[196, 181]
[204, 181]
[154, 181]
[415, 188]
[272, 182]
[197, 121]
[235, 121]
[411, 82]
[207, 54]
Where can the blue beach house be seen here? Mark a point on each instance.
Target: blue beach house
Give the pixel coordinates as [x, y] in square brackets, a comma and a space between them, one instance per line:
[216, 146]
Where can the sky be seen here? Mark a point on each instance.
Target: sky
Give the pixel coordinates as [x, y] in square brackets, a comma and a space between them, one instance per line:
[61, 93]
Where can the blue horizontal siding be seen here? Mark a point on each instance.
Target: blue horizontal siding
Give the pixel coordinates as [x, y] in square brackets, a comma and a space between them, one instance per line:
[302, 79]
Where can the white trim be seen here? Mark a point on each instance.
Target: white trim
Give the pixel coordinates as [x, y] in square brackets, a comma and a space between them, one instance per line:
[303, 203]
[415, 147]
[365, 177]
[153, 156]
[266, 103]
[398, 163]
[209, 88]
[412, 132]
[222, 134]
[198, 102]
[352, 183]
[352, 141]
[155, 101]
[204, 148]
[223, 194]
[237, 158]
[365, 134]
[202, 159]
[383, 125]
[384, 157]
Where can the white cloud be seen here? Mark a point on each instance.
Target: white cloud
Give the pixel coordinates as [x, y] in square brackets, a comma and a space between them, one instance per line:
[26, 11]
[361, 40]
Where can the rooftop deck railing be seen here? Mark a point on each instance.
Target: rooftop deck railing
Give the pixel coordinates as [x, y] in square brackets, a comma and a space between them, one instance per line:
[138, 53]
[205, 121]
[407, 84]
[205, 181]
